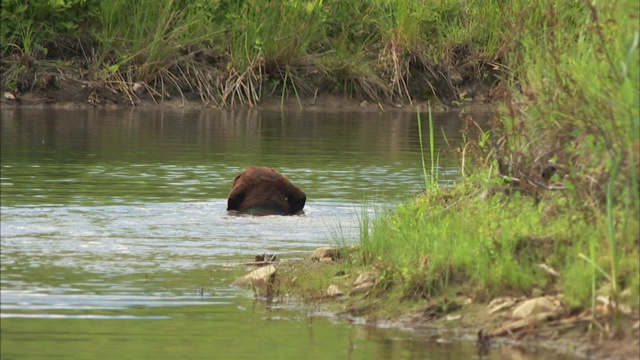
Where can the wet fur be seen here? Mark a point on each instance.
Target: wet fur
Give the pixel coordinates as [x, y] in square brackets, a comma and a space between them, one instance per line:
[265, 188]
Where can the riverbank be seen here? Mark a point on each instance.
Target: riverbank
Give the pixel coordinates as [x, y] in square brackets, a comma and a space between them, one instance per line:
[227, 54]
[57, 99]
[534, 321]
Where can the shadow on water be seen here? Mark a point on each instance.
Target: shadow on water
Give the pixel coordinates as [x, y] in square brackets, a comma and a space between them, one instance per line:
[115, 235]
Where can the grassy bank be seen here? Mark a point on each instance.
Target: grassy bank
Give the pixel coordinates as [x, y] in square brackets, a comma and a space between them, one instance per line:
[551, 204]
[228, 53]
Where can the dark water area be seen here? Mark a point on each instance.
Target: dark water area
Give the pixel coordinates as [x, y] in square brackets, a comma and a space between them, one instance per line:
[116, 243]
[126, 156]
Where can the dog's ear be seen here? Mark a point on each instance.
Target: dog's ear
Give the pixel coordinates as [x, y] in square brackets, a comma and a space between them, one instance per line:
[237, 194]
[236, 179]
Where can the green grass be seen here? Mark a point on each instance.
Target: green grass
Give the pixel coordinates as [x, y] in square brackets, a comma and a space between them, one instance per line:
[579, 69]
[490, 246]
[369, 49]
[574, 104]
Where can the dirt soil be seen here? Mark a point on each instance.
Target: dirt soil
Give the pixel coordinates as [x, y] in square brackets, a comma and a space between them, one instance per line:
[50, 88]
[77, 98]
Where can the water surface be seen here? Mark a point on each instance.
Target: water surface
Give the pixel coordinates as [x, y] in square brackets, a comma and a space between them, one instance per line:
[115, 237]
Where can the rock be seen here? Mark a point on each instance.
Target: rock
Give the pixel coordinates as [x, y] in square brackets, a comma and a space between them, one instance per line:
[258, 278]
[365, 277]
[325, 254]
[362, 288]
[364, 282]
[626, 293]
[606, 289]
[10, 96]
[334, 291]
[500, 303]
[139, 88]
[606, 305]
[453, 317]
[534, 306]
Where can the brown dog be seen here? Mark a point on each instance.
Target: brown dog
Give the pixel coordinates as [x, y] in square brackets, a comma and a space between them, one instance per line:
[264, 191]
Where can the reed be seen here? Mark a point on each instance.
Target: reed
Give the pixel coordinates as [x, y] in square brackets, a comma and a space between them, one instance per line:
[430, 180]
[580, 86]
[145, 41]
[427, 182]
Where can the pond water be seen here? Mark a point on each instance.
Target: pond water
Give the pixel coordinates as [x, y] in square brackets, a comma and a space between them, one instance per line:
[115, 240]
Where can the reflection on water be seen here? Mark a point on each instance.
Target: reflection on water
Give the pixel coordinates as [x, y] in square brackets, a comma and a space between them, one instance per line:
[124, 156]
[114, 234]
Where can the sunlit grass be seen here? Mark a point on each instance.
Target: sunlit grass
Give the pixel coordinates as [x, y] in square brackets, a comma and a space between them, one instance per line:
[145, 41]
[579, 110]
[364, 48]
[580, 73]
[489, 245]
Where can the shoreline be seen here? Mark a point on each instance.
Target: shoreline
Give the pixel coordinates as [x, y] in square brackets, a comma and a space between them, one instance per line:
[326, 102]
[490, 324]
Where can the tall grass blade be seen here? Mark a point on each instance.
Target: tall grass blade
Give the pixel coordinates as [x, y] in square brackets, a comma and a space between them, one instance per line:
[432, 150]
[424, 165]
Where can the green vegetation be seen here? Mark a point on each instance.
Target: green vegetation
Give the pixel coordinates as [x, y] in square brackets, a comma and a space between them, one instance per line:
[237, 52]
[555, 181]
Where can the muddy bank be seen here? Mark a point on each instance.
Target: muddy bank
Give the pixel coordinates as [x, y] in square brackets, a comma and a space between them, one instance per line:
[78, 99]
[538, 321]
[324, 102]
[42, 84]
